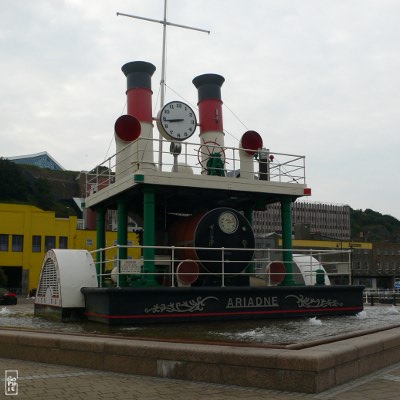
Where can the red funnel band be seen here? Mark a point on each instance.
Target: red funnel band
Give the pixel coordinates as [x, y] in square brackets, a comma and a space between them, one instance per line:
[139, 104]
[127, 128]
[210, 112]
[252, 142]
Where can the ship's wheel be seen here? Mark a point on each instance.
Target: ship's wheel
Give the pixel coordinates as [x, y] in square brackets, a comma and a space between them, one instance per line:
[211, 157]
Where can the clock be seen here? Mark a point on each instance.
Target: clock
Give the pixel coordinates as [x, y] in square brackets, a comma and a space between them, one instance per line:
[176, 121]
[228, 222]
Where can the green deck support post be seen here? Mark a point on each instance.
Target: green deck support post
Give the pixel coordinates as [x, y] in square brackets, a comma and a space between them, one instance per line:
[149, 236]
[100, 242]
[122, 236]
[286, 214]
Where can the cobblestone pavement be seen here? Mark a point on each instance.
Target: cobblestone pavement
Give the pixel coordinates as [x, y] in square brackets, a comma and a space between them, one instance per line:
[44, 381]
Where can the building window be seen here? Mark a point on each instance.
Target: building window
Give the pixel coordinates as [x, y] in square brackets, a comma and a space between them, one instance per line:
[36, 244]
[63, 242]
[49, 242]
[89, 242]
[3, 242]
[17, 243]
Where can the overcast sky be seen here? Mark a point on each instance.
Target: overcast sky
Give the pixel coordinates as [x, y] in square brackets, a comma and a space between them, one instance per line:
[319, 78]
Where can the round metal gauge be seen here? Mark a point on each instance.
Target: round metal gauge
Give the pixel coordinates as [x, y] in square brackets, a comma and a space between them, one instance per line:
[228, 222]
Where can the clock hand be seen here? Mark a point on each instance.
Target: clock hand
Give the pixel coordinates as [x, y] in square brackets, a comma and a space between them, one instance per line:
[174, 120]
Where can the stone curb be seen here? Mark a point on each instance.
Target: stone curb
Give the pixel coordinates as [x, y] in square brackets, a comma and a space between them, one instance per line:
[308, 370]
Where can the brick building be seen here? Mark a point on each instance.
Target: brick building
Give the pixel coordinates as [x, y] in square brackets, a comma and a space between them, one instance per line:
[379, 268]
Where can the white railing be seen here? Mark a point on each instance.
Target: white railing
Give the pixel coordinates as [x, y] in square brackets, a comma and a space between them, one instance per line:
[265, 165]
[110, 267]
[376, 295]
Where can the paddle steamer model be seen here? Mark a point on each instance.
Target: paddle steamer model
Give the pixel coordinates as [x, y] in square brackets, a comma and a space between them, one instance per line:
[192, 199]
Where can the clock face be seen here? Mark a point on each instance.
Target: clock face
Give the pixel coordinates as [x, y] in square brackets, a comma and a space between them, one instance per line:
[228, 222]
[176, 121]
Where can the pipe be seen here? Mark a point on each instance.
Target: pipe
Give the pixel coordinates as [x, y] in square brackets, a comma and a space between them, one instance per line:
[210, 114]
[250, 144]
[138, 154]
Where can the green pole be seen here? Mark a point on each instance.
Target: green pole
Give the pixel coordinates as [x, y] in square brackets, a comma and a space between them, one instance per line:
[149, 236]
[100, 242]
[122, 236]
[286, 215]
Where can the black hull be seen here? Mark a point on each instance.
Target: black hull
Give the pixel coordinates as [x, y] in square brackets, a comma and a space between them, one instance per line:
[128, 306]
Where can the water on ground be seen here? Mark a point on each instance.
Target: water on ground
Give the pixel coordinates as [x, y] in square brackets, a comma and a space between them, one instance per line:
[266, 332]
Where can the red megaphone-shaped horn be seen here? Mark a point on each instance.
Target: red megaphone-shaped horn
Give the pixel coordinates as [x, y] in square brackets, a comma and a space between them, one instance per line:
[127, 128]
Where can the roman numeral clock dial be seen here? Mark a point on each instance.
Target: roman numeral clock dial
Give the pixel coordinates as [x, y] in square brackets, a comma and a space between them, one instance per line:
[176, 121]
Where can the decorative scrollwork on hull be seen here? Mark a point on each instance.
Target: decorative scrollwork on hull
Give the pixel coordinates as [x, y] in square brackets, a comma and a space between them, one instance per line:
[181, 307]
[308, 302]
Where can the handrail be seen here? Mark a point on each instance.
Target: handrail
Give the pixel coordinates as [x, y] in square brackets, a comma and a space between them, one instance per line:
[282, 167]
[110, 267]
[386, 295]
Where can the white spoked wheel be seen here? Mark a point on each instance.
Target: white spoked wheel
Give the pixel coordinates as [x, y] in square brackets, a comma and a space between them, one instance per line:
[207, 150]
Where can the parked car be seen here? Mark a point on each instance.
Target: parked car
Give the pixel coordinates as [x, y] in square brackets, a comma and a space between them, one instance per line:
[7, 297]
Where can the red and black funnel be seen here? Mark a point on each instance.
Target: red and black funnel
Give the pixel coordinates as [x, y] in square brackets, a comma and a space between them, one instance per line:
[209, 102]
[138, 74]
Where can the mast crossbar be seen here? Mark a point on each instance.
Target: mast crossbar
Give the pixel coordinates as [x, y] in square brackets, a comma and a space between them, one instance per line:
[163, 22]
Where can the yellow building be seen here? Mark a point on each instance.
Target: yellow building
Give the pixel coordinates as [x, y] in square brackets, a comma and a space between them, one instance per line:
[330, 244]
[27, 233]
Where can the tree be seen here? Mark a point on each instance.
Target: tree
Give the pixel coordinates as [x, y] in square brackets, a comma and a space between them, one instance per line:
[43, 197]
[374, 226]
[13, 184]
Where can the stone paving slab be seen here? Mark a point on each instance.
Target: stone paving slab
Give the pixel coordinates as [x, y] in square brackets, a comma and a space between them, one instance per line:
[44, 381]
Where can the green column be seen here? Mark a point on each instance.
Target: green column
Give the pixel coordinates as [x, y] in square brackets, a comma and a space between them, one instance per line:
[286, 215]
[122, 236]
[149, 235]
[100, 242]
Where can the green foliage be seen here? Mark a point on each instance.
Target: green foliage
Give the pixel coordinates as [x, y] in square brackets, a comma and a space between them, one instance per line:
[19, 186]
[373, 226]
[43, 196]
[13, 183]
[100, 170]
[63, 210]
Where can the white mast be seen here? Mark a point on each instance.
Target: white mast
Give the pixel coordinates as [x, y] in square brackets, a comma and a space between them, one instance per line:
[164, 22]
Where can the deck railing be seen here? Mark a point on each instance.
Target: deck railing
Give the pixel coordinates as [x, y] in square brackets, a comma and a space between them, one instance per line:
[113, 270]
[264, 165]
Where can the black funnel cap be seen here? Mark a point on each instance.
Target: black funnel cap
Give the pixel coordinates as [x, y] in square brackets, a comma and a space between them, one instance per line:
[209, 86]
[138, 74]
